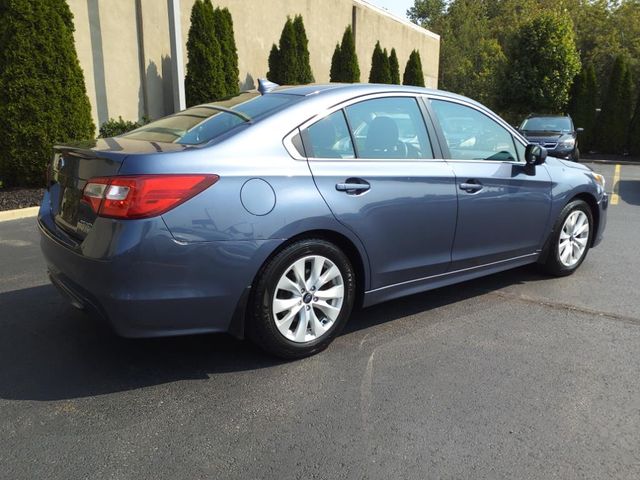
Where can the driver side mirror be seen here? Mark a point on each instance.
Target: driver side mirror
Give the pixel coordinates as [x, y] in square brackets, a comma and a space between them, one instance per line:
[579, 130]
[535, 154]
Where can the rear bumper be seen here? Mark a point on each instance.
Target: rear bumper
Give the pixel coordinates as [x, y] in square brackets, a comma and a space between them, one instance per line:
[145, 284]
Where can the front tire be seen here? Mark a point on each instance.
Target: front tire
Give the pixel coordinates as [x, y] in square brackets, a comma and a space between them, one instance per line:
[570, 239]
[302, 299]
[575, 156]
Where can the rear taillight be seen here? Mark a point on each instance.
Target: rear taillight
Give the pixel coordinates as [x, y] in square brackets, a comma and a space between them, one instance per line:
[142, 196]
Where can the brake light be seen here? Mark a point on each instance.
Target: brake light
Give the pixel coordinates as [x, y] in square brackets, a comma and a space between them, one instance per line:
[142, 196]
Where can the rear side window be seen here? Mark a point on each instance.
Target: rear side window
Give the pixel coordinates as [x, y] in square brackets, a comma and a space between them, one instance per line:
[203, 123]
[389, 128]
[329, 138]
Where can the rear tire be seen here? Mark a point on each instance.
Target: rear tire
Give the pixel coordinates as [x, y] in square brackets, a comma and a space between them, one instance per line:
[301, 299]
[570, 239]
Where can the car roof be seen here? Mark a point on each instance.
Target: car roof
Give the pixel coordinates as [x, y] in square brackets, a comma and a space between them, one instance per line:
[356, 89]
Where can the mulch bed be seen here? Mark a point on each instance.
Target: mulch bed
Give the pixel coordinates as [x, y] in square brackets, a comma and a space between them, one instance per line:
[12, 198]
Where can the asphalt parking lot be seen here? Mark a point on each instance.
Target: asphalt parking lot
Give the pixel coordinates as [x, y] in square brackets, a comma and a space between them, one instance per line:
[511, 376]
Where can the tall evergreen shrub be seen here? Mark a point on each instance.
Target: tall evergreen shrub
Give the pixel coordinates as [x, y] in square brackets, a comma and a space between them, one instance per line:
[228, 50]
[344, 63]
[305, 75]
[205, 78]
[380, 70]
[583, 103]
[289, 60]
[284, 57]
[613, 122]
[394, 66]
[274, 74]
[413, 74]
[43, 99]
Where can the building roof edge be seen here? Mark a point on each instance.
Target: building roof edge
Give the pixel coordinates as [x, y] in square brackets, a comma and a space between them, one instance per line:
[405, 22]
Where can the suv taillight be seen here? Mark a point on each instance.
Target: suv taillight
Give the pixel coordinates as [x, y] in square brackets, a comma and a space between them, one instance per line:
[142, 196]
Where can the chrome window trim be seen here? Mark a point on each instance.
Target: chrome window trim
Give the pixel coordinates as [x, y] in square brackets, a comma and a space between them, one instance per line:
[346, 103]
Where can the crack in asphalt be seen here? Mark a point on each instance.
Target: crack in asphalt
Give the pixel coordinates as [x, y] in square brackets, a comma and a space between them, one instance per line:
[561, 306]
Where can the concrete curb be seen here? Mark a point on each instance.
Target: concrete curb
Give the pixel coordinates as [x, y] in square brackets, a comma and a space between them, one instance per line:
[18, 214]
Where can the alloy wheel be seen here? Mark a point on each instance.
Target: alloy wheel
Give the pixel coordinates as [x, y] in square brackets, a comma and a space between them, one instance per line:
[574, 237]
[308, 299]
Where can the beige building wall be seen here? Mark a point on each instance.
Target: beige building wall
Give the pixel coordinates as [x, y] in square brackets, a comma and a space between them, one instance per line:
[124, 45]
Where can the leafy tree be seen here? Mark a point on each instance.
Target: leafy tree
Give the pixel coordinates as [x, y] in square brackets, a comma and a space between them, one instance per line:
[613, 122]
[471, 58]
[43, 98]
[583, 103]
[305, 75]
[380, 70]
[428, 13]
[205, 79]
[228, 50]
[344, 63]
[394, 67]
[413, 71]
[543, 63]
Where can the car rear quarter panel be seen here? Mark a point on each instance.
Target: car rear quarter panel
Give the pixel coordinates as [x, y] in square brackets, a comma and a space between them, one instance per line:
[222, 212]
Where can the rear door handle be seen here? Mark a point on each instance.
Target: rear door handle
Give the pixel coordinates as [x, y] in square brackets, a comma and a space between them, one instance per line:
[353, 186]
[471, 186]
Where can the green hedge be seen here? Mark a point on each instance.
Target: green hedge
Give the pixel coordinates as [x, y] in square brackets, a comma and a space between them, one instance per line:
[113, 128]
[43, 100]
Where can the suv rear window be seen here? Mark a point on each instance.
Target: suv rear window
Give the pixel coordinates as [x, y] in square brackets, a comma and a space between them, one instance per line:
[203, 123]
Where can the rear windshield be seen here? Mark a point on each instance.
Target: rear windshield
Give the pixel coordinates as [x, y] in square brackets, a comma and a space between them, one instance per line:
[203, 123]
[547, 124]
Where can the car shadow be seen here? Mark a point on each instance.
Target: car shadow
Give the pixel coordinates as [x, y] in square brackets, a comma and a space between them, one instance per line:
[629, 191]
[50, 351]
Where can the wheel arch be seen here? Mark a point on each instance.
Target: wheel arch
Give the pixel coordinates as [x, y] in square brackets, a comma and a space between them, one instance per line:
[591, 201]
[593, 206]
[356, 255]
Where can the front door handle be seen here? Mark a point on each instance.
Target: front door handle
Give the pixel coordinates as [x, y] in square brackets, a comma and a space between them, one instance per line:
[471, 186]
[353, 186]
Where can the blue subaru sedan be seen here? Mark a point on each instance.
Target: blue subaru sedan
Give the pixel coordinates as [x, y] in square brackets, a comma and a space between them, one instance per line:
[274, 217]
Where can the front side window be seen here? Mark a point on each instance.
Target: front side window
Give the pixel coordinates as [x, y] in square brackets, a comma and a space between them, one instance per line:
[472, 135]
[329, 138]
[389, 128]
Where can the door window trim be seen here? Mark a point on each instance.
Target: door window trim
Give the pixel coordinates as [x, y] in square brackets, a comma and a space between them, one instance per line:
[515, 135]
[428, 124]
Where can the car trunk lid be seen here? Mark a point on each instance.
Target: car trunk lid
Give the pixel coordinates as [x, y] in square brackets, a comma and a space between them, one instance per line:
[73, 165]
[70, 169]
